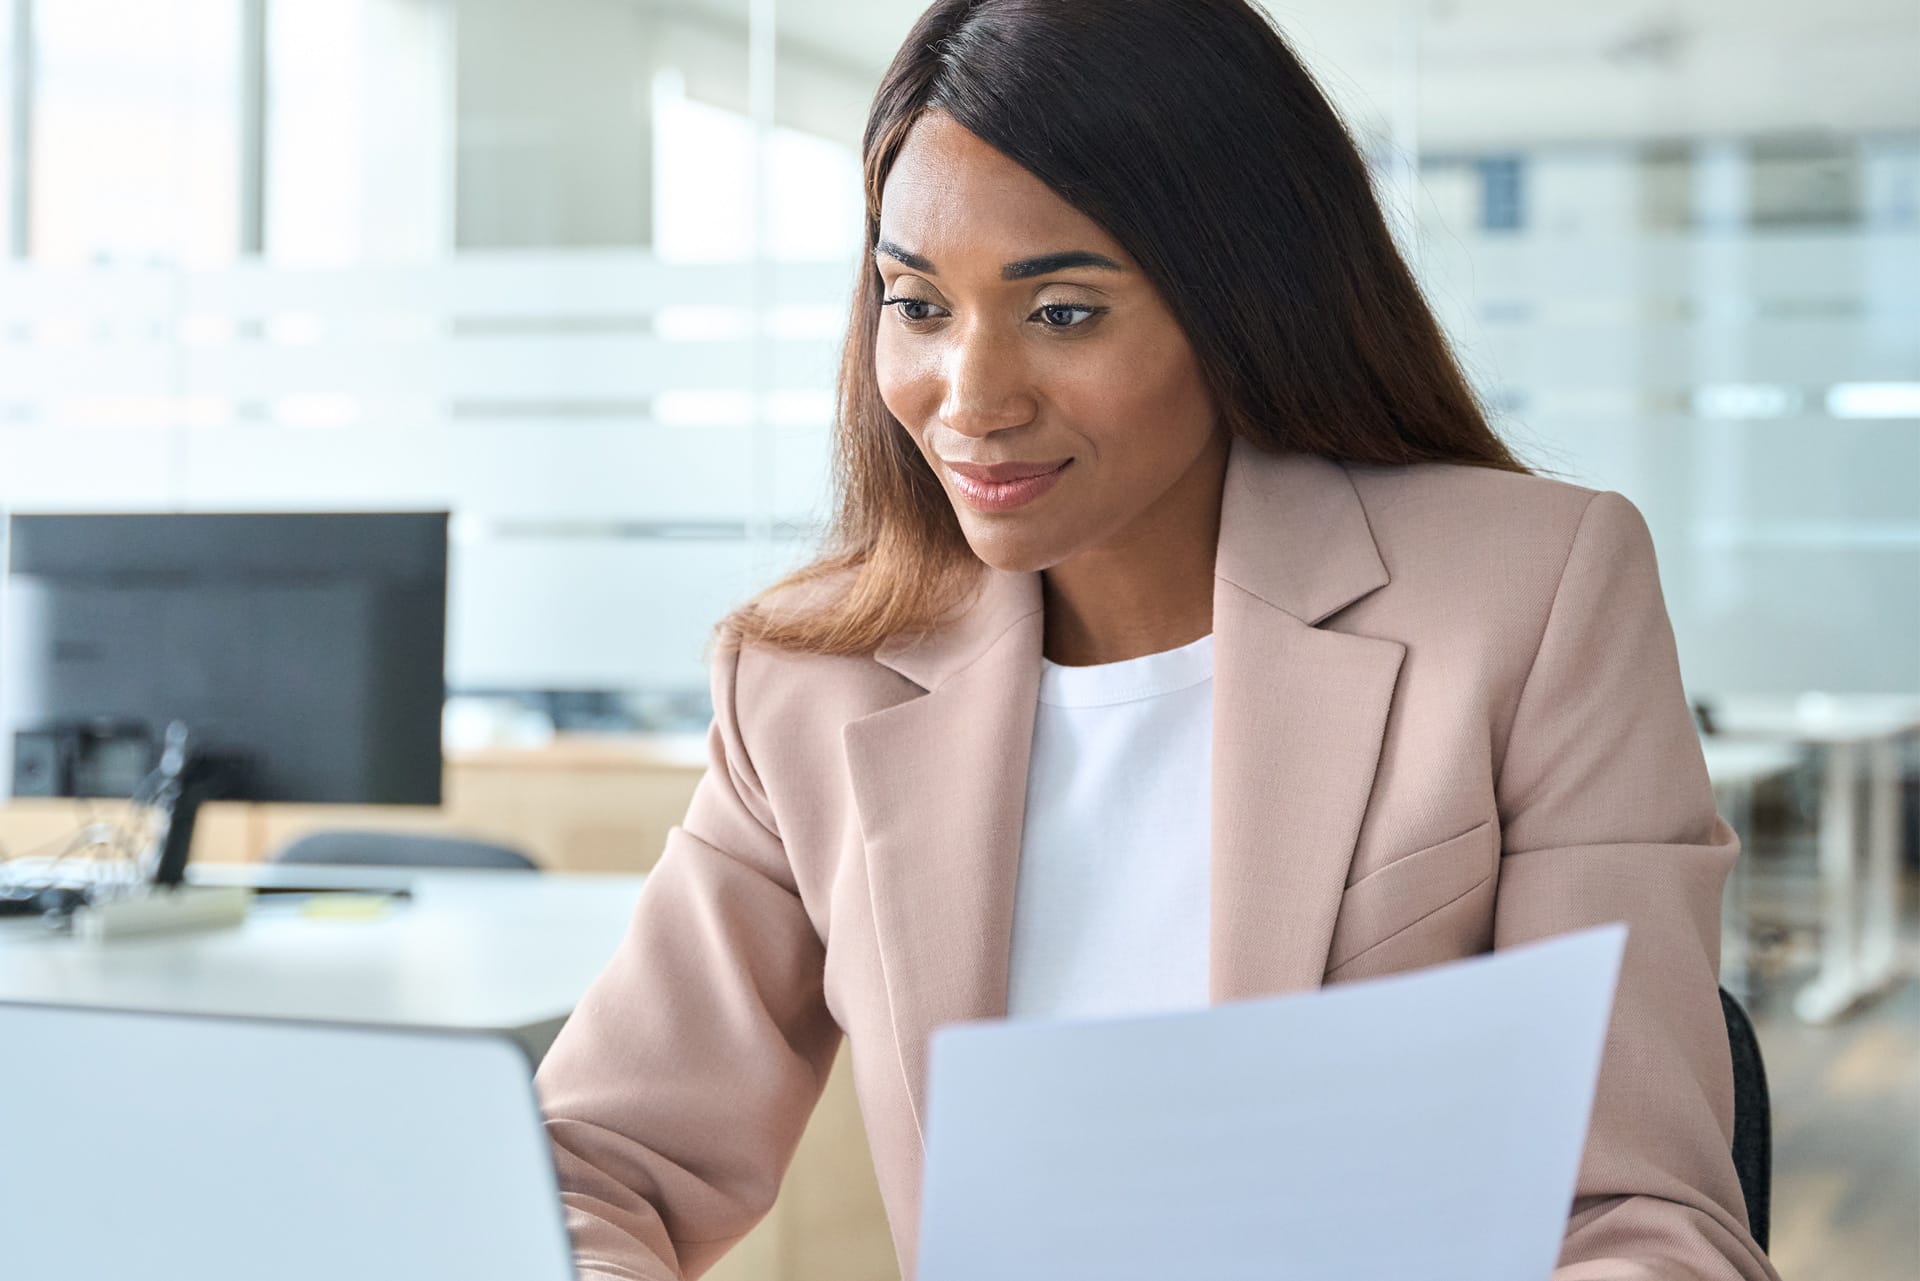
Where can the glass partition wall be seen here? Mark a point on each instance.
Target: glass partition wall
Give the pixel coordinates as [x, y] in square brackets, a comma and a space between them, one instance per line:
[577, 270]
[520, 261]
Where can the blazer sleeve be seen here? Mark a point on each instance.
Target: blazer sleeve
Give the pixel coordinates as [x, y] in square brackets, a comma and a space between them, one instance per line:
[676, 1093]
[1607, 814]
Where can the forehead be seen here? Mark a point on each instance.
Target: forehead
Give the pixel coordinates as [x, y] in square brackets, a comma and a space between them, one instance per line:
[950, 195]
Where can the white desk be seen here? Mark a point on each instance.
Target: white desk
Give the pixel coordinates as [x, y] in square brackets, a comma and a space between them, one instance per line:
[497, 951]
[1859, 942]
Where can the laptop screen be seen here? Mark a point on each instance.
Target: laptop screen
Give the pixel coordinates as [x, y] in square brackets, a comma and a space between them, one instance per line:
[192, 1148]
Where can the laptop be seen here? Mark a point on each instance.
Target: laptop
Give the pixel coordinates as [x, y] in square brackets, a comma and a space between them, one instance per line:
[175, 1147]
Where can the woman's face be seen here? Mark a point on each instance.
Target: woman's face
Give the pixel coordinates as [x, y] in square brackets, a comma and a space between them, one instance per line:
[1025, 334]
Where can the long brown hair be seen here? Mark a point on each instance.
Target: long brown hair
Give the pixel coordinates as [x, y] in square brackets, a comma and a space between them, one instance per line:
[1195, 137]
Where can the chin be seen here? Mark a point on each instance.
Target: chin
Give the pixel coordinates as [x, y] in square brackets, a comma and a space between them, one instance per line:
[1014, 555]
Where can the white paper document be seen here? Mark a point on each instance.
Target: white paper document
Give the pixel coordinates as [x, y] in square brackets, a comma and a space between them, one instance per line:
[1422, 1127]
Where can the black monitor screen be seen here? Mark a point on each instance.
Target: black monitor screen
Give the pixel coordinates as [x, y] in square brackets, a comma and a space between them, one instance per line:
[308, 649]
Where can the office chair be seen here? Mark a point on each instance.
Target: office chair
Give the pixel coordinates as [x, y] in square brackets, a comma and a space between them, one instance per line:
[401, 849]
[1752, 1118]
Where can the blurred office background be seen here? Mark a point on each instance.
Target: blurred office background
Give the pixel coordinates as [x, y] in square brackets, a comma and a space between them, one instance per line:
[576, 271]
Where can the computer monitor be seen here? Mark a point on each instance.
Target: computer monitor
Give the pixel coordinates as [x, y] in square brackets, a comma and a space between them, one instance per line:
[304, 653]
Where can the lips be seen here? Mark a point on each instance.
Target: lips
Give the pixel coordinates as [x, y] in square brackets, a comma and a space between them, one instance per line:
[992, 497]
[1001, 473]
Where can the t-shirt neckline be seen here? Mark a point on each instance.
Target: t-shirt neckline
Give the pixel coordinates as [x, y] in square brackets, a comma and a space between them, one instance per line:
[1128, 680]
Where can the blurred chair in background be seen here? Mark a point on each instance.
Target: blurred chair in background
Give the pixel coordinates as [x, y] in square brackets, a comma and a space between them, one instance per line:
[1752, 1118]
[401, 849]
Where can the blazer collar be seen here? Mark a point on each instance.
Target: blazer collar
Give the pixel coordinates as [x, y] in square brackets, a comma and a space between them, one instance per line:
[1299, 713]
[1292, 533]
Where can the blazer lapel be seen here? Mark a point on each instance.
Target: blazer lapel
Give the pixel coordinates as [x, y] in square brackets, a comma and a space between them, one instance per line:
[939, 779]
[940, 782]
[1299, 717]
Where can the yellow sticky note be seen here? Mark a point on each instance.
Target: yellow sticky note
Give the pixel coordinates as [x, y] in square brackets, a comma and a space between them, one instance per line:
[349, 907]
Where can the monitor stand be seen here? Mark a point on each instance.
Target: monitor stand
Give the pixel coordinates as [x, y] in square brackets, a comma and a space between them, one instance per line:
[193, 780]
[169, 904]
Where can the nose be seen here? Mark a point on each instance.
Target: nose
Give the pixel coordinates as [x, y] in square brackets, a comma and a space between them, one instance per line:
[987, 385]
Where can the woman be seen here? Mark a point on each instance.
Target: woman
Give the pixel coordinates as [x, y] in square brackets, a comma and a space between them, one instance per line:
[1275, 669]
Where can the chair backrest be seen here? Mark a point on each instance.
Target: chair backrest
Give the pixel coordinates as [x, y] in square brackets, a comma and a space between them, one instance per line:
[1752, 1118]
[401, 849]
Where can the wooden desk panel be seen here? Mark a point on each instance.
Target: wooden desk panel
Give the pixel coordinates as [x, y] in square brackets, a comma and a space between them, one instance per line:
[39, 827]
[598, 804]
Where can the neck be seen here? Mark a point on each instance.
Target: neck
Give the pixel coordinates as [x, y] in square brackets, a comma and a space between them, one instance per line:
[1149, 590]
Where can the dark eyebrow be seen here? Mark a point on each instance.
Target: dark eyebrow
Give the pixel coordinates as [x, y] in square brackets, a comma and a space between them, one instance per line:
[1024, 269]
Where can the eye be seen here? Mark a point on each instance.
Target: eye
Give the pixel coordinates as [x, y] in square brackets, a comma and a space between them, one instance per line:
[1054, 310]
[901, 304]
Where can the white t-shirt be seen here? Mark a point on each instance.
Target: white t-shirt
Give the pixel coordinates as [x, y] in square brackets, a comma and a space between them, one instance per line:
[1110, 907]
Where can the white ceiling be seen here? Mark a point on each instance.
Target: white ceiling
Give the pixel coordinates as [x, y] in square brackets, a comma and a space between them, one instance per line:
[1511, 71]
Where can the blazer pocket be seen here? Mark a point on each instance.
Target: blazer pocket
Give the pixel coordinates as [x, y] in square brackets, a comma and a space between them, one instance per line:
[1409, 889]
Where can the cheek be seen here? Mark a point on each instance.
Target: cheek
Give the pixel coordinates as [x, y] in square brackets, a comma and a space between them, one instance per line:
[902, 380]
[1145, 398]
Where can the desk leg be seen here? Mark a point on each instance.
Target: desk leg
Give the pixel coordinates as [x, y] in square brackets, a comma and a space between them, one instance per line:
[1879, 937]
[1836, 986]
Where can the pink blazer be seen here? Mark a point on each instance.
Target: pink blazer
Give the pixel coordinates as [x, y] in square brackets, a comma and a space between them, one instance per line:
[1448, 717]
